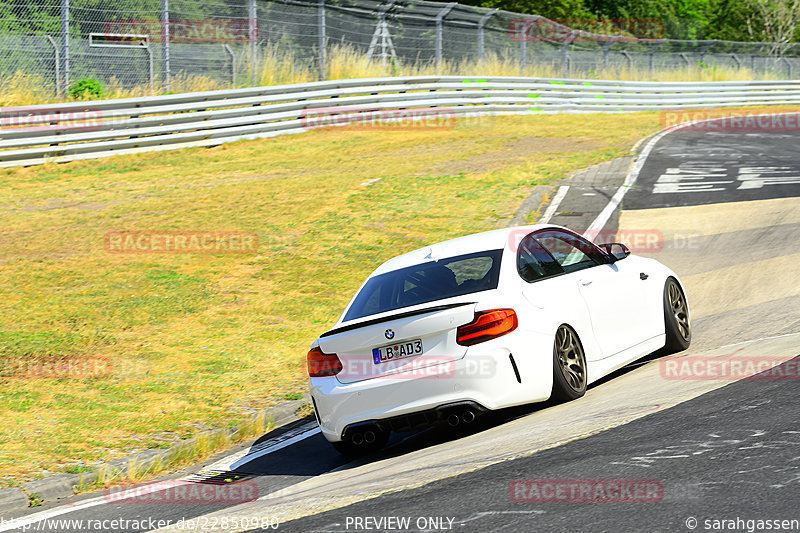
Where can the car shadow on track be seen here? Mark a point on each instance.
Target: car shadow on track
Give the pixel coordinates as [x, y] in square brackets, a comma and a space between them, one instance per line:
[314, 456]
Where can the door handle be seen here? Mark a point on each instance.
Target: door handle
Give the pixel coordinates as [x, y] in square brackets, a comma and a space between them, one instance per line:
[586, 282]
[643, 276]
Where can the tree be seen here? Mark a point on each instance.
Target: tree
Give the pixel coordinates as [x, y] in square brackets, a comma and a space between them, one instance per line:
[773, 21]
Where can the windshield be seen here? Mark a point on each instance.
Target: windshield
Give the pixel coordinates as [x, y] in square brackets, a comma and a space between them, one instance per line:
[427, 282]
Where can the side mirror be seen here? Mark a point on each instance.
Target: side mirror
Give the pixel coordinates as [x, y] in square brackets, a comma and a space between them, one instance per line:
[615, 251]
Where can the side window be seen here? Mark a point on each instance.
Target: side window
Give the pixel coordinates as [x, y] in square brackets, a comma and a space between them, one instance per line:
[571, 252]
[534, 262]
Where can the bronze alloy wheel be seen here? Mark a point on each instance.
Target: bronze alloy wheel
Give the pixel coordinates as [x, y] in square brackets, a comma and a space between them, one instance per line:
[571, 359]
[677, 304]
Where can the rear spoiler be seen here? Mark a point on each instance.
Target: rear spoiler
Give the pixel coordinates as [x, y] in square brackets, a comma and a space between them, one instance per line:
[426, 310]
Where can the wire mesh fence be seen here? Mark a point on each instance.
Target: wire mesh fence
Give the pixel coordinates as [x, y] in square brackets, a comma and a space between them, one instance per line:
[151, 43]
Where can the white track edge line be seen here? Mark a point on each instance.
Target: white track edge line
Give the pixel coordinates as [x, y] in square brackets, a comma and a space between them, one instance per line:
[551, 209]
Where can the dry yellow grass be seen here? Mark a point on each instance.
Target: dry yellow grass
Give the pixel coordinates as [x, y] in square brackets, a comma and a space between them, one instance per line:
[194, 341]
[279, 65]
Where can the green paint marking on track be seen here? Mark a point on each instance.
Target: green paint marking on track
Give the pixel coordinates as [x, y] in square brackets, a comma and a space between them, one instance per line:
[534, 96]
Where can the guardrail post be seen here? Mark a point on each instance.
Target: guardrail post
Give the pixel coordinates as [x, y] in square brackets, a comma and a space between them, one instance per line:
[439, 19]
[65, 44]
[165, 43]
[252, 27]
[233, 65]
[56, 63]
[651, 61]
[323, 61]
[481, 24]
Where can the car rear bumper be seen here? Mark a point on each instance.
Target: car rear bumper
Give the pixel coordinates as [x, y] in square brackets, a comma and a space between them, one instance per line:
[484, 376]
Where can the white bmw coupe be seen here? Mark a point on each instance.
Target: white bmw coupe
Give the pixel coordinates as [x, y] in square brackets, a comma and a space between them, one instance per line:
[492, 320]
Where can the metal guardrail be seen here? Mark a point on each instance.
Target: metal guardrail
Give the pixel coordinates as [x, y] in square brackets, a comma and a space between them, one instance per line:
[83, 130]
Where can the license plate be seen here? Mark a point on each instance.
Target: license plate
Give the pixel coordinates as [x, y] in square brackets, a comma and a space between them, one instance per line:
[398, 350]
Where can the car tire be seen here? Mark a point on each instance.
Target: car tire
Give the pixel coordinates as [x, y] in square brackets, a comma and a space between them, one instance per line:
[677, 325]
[569, 366]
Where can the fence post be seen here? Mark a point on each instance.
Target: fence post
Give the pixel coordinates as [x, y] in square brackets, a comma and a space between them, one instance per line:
[65, 44]
[150, 63]
[323, 61]
[165, 43]
[788, 65]
[233, 64]
[439, 18]
[253, 36]
[753, 59]
[523, 43]
[57, 64]
[565, 52]
[481, 24]
[608, 44]
[705, 49]
[651, 62]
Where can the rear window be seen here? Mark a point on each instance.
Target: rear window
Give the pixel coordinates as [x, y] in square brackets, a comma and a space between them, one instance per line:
[427, 282]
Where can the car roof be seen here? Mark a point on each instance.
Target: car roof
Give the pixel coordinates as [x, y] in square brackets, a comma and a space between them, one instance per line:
[477, 242]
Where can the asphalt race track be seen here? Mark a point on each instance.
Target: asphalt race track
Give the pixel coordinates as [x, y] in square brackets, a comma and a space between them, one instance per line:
[722, 209]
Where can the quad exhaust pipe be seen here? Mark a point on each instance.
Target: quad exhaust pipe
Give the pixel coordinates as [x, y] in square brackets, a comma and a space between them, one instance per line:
[467, 417]
[367, 437]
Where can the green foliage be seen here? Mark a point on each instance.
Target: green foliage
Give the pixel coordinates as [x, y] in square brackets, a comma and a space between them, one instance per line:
[86, 87]
[732, 20]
